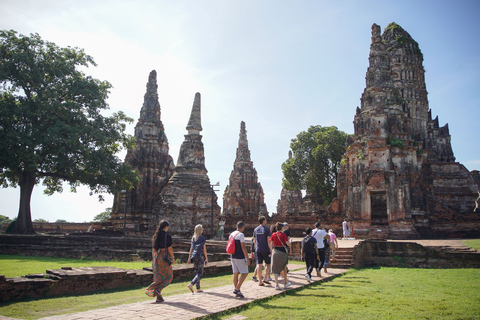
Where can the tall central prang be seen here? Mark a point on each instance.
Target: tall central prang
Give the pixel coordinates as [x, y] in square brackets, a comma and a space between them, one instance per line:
[399, 178]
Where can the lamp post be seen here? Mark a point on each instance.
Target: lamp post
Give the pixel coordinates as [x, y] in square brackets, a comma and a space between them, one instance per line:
[211, 213]
[124, 194]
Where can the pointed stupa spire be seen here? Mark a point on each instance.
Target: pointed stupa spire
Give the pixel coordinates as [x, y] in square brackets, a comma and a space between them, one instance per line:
[243, 153]
[195, 123]
[151, 107]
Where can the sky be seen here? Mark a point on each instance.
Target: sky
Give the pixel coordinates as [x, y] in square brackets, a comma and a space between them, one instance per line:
[280, 66]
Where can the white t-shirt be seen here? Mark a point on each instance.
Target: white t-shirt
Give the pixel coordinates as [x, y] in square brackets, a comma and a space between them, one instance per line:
[319, 234]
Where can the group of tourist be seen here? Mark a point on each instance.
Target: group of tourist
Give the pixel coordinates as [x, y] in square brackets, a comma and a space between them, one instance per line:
[270, 246]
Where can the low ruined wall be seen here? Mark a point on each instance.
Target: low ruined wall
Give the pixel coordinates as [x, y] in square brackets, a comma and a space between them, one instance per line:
[67, 281]
[371, 253]
[97, 247]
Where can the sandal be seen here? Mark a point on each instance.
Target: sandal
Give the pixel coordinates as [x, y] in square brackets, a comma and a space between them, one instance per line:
[190, 287]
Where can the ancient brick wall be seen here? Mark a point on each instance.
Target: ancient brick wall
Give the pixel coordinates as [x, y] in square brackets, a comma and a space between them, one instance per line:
[83, 280]
[409, 254]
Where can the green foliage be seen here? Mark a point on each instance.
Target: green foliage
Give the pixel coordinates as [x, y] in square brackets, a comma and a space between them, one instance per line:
[395, 142]
[4, 219]
[51, 123]
[40, 220]
[61, 221]
[314, 164]
[104, 216]
[378, 293]
[400, 39]
[360, 155]
[398, 98]
[10, 227]
[392, 26]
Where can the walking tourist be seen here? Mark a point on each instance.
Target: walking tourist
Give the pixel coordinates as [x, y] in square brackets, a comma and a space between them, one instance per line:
[240, 261]
[261, 236]
[309, 253]
[280, 255]
[319, 235]
[346, 229]
[163, 260]
[198, 256]
[333, 243]
[326, 245]
[221, 228]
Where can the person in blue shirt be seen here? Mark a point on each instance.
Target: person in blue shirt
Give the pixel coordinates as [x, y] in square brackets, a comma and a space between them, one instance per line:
[261, 236]
[198, 255]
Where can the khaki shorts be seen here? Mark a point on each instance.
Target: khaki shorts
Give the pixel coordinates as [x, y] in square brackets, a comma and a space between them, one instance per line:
[239, 266]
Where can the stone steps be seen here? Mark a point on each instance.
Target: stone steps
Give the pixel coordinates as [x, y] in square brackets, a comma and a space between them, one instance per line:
[343, 259]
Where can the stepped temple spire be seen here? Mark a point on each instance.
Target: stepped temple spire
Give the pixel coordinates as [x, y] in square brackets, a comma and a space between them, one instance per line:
[244, 194]
[151, 159]
[187, 198]
[399, 178]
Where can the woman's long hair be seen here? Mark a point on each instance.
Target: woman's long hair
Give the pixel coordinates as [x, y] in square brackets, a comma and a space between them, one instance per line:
[156, 238]
[197, 232]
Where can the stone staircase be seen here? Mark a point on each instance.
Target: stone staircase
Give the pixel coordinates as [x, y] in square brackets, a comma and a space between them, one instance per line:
[343, 259]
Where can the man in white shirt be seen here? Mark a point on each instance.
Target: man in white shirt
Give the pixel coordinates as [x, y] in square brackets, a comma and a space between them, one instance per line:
[319, 234]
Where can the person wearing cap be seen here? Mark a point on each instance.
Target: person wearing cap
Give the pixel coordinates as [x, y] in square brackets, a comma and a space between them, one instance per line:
[309, 253]
[333, 243]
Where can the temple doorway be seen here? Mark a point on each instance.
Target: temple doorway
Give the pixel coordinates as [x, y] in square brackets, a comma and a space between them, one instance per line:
[378, 208]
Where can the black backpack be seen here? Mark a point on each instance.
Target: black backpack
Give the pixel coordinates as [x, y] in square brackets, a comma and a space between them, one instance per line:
[308, 245]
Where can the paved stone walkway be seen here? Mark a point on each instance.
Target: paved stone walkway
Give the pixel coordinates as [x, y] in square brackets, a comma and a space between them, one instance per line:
[191, 306]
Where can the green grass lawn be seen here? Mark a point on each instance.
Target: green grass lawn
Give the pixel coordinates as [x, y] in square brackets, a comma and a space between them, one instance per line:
[16, 266]
[473, 243]
[34, 309]
[379, 293]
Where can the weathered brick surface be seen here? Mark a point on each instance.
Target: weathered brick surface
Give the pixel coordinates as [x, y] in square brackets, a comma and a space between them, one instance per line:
[243, 198]
[90, 279]
[411, 254]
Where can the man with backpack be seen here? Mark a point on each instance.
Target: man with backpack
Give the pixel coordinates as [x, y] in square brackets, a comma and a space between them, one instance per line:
[309, 253]
[240, 261]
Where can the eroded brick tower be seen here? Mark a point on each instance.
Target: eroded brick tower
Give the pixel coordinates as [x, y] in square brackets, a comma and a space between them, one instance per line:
[243, 196]
[155, 166]
[399, 178]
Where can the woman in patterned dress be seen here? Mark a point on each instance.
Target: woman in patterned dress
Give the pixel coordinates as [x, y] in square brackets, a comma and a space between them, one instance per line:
[163, 260]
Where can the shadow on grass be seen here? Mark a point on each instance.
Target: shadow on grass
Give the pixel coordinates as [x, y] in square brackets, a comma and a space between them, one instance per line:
[178, 280]
[263, 303]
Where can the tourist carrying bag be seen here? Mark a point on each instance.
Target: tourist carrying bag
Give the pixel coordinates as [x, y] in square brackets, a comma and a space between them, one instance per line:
[166, 257]
[231, 243]
[286, 248]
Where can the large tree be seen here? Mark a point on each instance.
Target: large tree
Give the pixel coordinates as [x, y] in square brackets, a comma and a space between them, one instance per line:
[51, 125]
[316, 156]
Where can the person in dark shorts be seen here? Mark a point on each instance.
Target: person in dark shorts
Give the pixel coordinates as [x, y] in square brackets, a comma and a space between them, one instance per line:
[261, 236]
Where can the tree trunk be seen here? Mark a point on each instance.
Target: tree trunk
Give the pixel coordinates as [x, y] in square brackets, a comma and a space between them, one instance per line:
[23, 224]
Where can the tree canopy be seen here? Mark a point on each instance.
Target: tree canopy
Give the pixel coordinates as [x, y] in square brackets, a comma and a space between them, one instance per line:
[103, 216]
[51, 125]
[316, 156]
